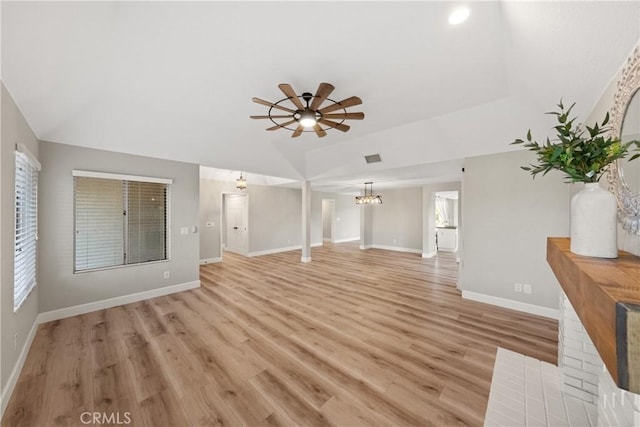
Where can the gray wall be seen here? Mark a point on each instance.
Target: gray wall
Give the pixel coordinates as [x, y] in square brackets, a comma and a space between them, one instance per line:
[328, 208]
[397, 221]
[275, 217]
[59, 287]
[14, 129]
[507, 218]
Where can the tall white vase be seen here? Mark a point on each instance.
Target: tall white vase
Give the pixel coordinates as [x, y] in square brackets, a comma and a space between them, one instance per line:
[593, 222]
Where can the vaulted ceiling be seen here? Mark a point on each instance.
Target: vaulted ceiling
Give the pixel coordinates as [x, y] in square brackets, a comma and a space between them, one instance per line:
[175, 80]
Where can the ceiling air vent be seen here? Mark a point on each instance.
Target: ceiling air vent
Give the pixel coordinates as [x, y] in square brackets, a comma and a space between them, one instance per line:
[373, 158]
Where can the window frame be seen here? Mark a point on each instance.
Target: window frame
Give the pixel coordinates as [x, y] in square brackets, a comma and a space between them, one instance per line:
[34, 167]
[124, 177]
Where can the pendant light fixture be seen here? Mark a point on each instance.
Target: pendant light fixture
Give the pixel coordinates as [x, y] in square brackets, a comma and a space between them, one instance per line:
[241, 183]
[368, 198]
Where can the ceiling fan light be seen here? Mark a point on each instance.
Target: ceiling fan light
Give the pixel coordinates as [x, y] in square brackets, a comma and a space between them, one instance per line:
[307, 118]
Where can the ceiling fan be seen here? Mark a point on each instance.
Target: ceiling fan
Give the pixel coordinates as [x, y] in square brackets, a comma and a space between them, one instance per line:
[308, 116]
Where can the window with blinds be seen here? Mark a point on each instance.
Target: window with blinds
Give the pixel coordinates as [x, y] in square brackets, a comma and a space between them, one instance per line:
[119, 221]
[26, 233]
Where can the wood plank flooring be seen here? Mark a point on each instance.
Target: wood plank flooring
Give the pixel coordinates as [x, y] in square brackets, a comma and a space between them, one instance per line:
[354, 338]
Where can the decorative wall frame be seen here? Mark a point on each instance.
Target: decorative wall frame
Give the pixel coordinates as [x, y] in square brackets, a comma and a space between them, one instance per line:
[628, 201]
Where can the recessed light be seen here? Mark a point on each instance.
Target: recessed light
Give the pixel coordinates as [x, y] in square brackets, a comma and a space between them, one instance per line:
[459, 15]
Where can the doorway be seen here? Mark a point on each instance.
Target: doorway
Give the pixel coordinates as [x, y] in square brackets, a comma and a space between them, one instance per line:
[235, 218]
[446, 221]
[328, 220]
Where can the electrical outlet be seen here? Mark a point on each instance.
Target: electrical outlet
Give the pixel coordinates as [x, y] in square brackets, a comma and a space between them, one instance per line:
[166, 275]
[518, 287]
[526, 289]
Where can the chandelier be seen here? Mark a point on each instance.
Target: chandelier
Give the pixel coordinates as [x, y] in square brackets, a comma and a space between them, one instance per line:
[368, 198]
[241, 183]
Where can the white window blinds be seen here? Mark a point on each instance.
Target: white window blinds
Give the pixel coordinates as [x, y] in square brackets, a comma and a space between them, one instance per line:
[119, 221]
[26, 231]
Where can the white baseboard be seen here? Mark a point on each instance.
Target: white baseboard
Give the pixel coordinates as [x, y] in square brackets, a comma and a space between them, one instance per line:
[326, 239]
[284, 249]
[305, 259]
[365, 247]
[48, 316]
[429, 254]
[348, 239]
[397, 249]
[275, 250]
[17, 368]
[210, 260]
[513, 305]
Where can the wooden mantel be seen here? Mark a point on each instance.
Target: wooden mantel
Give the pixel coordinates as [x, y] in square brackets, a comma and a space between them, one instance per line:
[605, 294]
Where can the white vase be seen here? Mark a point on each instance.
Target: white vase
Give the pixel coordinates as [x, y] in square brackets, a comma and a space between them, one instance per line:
[593, 222]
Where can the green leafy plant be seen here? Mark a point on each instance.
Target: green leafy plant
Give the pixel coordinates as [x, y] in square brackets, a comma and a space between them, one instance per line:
[582, 157]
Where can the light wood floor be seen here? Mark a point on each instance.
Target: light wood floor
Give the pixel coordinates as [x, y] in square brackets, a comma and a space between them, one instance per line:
[355, 338]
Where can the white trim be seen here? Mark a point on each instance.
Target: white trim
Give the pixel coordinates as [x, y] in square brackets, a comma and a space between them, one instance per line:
[75, 310]
[429, 254]
[210, 260]
[363, 247]
[122, 177]
[397, 248]
[278, 250]
[24, 151]
[348, 239]
[275, 250]
[17, 368]
[513, 305]
[305, 259]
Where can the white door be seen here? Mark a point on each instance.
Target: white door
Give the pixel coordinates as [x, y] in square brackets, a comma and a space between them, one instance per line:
[236, 224]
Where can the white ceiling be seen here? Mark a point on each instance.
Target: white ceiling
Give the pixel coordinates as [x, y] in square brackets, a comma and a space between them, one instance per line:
[175, 80]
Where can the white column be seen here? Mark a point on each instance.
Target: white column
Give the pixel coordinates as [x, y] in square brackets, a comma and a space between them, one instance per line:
[306, 222]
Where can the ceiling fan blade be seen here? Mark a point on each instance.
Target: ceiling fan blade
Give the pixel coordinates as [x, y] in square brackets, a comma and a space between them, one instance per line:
[319, 131]
[272, 117]
[281, 125]
[343, 116]
[289, 93]
[345, 103]
[324, 90]
[271, 104]
[296, 133]
[339, 126]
